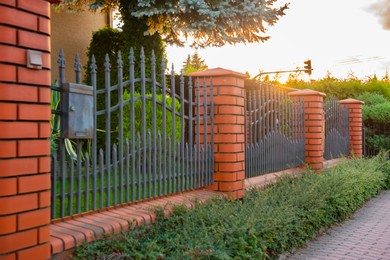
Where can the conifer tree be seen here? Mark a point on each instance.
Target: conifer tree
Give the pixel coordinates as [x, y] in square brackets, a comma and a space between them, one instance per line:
[198, 22]
[193, 63]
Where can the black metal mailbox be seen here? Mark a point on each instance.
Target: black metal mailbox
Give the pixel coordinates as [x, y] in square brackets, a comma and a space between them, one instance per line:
[77, 107]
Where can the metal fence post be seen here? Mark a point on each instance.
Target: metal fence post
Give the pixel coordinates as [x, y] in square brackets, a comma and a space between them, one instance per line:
[314, 126]
[355, 125]
[229, 132]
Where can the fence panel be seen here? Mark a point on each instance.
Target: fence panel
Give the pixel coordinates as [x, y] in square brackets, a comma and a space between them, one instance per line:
[274, 130]
[149, 147]
[336, 129]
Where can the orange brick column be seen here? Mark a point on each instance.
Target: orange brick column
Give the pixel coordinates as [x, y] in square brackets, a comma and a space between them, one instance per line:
[314, 126]
[24, 129]
[355, 125]
[229, 137]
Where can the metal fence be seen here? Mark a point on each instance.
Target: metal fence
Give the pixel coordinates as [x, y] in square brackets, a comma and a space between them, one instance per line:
[336, 129]
[376, 138]
[155, 147]
[274, 130]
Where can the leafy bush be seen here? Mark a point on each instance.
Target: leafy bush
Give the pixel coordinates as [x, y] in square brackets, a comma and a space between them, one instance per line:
[149, 119]
[371, 99]
[263, 225]
[347, 88]
[379, 113]
[111, 41]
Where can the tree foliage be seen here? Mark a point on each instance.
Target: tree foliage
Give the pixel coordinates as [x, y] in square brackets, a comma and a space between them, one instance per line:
[193, 63]
[200, 22]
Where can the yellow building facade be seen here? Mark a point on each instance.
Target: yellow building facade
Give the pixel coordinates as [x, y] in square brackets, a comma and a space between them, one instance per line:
[73, 32]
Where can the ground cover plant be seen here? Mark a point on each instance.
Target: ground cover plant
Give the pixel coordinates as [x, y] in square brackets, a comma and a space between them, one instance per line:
[263, 225]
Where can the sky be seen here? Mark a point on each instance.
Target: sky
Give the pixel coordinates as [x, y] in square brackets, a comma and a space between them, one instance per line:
[343, 37]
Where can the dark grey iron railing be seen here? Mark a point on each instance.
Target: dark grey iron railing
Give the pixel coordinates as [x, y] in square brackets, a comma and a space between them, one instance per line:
[274, 130]
[336, 129]
[135, 161]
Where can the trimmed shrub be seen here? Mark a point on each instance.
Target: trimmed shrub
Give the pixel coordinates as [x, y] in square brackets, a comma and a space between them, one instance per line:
[379, 113]
[342, 89]
[371, 99]
[263, 225]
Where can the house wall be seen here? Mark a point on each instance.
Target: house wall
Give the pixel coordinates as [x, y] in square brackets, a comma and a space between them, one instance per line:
[72, 32]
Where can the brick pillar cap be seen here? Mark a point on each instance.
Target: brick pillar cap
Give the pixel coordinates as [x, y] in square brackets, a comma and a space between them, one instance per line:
[218, 72]
[306, 92]
[351, 101]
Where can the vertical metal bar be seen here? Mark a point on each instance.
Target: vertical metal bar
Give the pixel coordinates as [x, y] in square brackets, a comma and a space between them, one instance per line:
[164, 125]
[108, 125]
[188, 170]
[127, 171]
[268, 109]
[139, 162]
[205, 134]
[179, 163]
[144, 126]
[62, 150]
[170, 172]
[212, 132]
[160, 165]
[64, 174]
[274, 128]
[149, 166]
[197, 171]
[115, 176]
[71, 187]
[101, 175]
[249, 115]
[173, 110]
[54, 181]
[77, 68]
[182, 132]
[255, 122]
[154, 132]
[94, 139]
[190, 131]
[79, 176]
[86, 189]
[132, 127]
[120, 124]
[196, 165]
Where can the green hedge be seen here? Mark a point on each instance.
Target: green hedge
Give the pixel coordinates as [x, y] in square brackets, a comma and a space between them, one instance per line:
[347, 88]
[371, 99]
[263, 225]
[379, 113]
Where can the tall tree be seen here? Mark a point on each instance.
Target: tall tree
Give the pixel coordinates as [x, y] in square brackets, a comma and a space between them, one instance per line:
[199, 22]
[193, 63]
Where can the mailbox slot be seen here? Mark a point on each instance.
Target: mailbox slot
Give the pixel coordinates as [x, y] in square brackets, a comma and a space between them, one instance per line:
[77, 111]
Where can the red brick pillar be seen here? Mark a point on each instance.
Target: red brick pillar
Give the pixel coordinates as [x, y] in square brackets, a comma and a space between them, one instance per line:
[24, 129]
[314, 126]
[355, 125]
[229, 136]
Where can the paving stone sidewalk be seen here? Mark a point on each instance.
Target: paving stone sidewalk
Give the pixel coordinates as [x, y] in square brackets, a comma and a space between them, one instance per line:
[365, 236]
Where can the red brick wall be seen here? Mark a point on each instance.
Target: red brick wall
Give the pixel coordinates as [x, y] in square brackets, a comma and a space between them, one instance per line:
[314, 126]
[24, 130]
[355, 125]
[229, 136]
